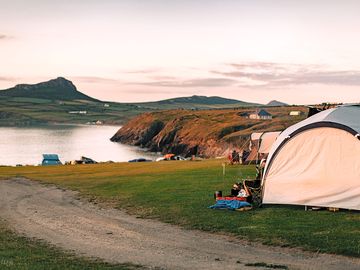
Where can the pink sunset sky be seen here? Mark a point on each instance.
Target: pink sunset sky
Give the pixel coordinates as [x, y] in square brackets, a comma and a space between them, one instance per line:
[299, 52]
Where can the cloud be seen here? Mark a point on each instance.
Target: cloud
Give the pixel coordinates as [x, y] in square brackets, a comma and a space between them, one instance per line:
[93, 79]
[158, 91]
[3, 36]
[272, 75]
[162, 77]
[142, 71]
[201, 82]
[7, 79]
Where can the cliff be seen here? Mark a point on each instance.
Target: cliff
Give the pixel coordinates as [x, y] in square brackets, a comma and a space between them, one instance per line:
[207, 133]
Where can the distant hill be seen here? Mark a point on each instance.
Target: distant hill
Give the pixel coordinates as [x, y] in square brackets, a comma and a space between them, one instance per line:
[196, 102]
[274, 103]
[58, 101]
[56, 89]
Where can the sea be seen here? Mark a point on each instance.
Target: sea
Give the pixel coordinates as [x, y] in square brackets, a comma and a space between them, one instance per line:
[25, 145]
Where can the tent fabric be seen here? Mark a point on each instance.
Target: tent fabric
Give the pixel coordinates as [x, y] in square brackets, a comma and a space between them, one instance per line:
[267, 140]
[261, 143]
[256, 136]
[319, 165]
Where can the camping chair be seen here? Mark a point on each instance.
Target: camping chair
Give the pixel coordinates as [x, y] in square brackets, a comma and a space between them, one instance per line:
[253, 187]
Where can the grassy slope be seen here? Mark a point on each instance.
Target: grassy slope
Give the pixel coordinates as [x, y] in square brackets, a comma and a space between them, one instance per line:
[17, 252]
[180, 192]
[28, 111]
[17, 111]
[213, 131]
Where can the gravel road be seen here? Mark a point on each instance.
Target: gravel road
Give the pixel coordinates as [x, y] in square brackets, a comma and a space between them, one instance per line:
[59, 217]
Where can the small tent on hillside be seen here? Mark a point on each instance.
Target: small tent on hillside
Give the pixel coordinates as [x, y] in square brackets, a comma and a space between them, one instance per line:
[316, 162]
[260, 145]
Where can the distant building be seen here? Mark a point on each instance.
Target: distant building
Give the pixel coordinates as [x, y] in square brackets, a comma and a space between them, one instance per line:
[295, 113]
[106, 105]
[260, 114]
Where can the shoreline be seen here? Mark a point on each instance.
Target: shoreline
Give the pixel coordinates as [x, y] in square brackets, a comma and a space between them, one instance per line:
[25, 145]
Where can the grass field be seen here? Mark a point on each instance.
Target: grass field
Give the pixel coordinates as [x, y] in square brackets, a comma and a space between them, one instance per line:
[24, 111]
[180, 192]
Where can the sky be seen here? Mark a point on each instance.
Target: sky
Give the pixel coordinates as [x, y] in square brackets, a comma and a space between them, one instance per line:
[299, 52]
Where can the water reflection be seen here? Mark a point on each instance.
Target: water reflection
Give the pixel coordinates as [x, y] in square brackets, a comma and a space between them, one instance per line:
[25, 145]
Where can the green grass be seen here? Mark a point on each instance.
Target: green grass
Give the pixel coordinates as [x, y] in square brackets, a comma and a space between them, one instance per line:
[17, 252]
[23, 111]
[180, 192]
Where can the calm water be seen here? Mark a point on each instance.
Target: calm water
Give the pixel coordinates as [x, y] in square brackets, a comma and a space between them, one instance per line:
[25, 145]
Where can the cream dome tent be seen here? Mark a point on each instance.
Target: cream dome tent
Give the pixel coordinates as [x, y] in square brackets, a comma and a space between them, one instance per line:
[260, 145]
[316, 162]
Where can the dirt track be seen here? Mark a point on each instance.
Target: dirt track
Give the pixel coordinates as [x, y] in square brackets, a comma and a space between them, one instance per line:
[59, 217]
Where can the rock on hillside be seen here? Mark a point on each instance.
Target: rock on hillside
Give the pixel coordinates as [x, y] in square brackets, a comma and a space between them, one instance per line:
[57, 89]
[207, 133]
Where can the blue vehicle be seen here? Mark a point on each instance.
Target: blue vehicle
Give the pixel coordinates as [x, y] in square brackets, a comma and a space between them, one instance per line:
[51, 159]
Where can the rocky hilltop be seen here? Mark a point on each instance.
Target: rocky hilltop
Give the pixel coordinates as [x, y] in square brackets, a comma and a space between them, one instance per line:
[207, 133]
[56, 89]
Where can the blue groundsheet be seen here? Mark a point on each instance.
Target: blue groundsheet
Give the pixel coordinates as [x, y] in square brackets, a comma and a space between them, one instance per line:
[229, 204]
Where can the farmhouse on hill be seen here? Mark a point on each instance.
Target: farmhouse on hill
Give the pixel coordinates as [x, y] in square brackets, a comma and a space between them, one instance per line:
[260, 114]
[295, 113]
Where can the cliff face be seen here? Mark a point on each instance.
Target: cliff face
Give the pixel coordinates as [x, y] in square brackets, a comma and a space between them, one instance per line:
[207, 133]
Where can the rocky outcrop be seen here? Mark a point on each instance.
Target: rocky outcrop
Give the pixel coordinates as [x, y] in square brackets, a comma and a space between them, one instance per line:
[207, 133]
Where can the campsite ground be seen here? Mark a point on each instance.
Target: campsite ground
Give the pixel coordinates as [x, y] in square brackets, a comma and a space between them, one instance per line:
[19, 252]
[179, 193]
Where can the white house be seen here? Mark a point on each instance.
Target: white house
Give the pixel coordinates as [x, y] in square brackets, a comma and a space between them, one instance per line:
[295, 113]
[260, 114]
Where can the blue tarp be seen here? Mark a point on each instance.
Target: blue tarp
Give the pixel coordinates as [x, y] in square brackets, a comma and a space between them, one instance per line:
[229, 204]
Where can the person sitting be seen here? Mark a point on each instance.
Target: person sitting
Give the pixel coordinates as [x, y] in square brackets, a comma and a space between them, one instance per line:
[238, 190]
[235, 190]
[235, 158]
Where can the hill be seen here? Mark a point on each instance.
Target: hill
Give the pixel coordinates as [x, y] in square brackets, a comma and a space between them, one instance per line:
[56, 89]
[274, 103]
[196, 102]
[59, 101]
[207, 133]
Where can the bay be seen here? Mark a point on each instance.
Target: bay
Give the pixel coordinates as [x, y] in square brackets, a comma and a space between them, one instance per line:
[25, 145]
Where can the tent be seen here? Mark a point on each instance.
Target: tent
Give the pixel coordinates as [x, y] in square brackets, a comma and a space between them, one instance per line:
[316, 162]
[50, 159]
[260, 145]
